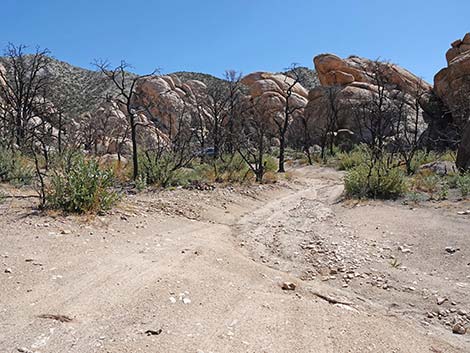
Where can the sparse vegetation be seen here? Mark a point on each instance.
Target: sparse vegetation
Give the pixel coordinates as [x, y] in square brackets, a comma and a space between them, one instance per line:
[463, 183]
[349, 160]
[79, 185]
[375, 182]
[395, 263]
[15, 168]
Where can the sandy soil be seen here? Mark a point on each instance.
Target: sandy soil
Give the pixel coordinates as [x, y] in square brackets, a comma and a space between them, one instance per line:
[201, 271]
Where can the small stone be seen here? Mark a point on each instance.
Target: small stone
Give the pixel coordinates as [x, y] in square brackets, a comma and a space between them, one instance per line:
[65, 231]
[24, 350]
[186, 301]
[8, 270]
[451, 250]
[288, 286]
[404, 250]
[441, 300]
[459, 329]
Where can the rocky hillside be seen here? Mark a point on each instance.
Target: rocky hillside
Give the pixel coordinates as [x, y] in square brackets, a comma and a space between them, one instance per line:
[307, 78]
[452, 85]
[76, 89]
[80, 90]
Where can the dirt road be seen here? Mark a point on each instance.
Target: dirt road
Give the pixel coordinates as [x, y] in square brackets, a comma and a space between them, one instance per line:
[201, 271]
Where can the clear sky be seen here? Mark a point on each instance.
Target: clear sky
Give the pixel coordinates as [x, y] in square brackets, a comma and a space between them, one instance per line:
[246, 35]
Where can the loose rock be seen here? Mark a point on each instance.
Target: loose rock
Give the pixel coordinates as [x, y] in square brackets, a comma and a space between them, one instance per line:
[459, 329]
[288, 286]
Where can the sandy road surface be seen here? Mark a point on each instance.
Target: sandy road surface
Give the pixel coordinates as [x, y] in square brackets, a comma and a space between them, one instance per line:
[209, 277]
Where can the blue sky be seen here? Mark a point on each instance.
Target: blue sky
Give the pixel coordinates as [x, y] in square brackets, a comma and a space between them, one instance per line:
[211, 36]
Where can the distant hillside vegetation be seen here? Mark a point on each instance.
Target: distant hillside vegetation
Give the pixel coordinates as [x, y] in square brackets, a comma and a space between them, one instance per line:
[308, 77]
[78, 90]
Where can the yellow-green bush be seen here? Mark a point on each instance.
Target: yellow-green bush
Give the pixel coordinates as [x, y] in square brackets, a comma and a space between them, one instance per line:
[15, 168]
[348, 160]
[463, 183]
[363, 181]
[81, 186]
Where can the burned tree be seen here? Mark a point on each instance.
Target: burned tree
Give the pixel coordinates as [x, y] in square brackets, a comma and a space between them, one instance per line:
[234, 110]
[256, 130]
[326, 132]
[125, 84]
[24, 82]
[172, 152]
[408, 134]
[290, 105]
[215, 104]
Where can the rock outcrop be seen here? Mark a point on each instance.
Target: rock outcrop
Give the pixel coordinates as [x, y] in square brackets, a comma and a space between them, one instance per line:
[271, 92]
[452, 85]
[333, 71]
[167, 98]
[463, 154]
[347, 83]
[109, 132]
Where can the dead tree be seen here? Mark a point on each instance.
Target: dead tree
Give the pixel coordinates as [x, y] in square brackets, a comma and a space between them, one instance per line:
[327, 130]
[290, 107]
[408, 134]
[173, 153]
[125, 83]
[256, 130]
[215, 105]
[25, 80]
[378, 116]
[234, 110]
[379, 119]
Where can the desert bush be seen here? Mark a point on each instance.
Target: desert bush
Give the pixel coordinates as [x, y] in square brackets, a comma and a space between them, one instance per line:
[437, 187]
[79, 185]
[230, 169]
[420, 158]
[161, 170]
[426, 182]
[378, 181]
[295, 155]
[15, 168]
[463, 183]
[349, 160]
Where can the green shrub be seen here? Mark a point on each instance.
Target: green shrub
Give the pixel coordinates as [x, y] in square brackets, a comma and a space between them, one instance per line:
[81, 186]
[140, 183]
[463, 183]
[420, 158]
[230, 169]
[227, 169]
[428, 183]
[435, 186]
[349, 160]
[415, 196]
[377, 182]
[15, 168]
[161, 170]
[271, 163]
